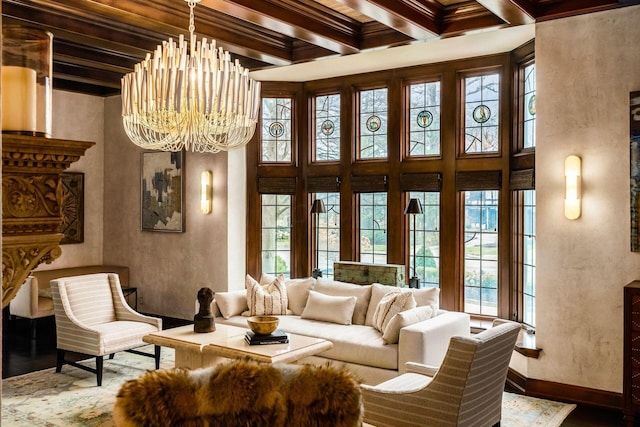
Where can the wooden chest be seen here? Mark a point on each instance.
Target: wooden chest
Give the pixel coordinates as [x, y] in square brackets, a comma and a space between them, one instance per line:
[366, 274]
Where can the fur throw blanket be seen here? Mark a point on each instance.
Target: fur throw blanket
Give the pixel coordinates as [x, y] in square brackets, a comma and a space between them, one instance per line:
[242, 393]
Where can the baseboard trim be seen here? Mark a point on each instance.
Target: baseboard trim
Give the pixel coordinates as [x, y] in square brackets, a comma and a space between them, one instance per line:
[564, 392]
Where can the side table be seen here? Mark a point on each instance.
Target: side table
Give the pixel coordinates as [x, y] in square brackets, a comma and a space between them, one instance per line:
[131, 293]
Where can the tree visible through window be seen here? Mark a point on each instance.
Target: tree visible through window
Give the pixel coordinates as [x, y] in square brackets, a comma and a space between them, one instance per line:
[481, 252]
[276, 234]
[481, 113]
[373, 228]
[328, 244]
[427, 245]
[327, 128]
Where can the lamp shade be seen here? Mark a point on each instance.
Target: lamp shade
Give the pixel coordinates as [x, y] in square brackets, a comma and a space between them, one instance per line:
[413, 207]
[317, 207]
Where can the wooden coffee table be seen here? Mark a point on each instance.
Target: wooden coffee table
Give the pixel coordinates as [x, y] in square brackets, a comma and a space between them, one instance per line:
[198, 350]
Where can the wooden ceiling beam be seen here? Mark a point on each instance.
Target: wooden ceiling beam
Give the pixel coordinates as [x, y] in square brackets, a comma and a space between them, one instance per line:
[418, 19]
[121, 28]
[302, 20]
[513, 12]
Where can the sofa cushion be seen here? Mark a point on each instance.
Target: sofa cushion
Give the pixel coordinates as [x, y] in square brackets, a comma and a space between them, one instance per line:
[424, 296]
[329, 308]
[390, 305]
[269, 299]
[391, 333]
[336, 288]
[357, 344]
[45, 292]
[298, 293]
[231, 303]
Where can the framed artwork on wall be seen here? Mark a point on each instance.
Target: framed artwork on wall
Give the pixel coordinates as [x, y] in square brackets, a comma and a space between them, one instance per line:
[162, 204]
[72, 207]
[634, 134]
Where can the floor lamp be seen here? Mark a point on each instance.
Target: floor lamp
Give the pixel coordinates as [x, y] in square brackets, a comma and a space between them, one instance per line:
[414, 208]
[316, 209]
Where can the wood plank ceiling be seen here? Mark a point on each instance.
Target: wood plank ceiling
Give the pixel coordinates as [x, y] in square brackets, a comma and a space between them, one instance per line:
[97, 41]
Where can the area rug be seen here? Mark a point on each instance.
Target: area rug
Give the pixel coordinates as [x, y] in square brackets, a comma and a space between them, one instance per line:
[71, 398]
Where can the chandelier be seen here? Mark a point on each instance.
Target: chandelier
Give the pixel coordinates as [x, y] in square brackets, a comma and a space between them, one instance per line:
[190, 96]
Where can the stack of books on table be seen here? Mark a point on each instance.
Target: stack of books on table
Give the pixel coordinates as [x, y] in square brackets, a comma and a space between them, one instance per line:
[276, 337]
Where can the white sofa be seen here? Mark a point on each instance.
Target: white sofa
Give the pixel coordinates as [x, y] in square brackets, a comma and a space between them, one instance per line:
[356, 343]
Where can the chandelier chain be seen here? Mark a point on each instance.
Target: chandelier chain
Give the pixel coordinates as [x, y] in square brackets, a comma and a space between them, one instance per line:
[192, 25]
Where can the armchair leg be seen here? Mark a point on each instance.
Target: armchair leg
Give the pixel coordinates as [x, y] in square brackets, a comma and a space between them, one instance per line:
[157, 356]
[60, 360]
[111, 355]
[99, 363]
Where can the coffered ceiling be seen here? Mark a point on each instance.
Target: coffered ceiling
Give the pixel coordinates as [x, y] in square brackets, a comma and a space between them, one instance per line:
[97, 41]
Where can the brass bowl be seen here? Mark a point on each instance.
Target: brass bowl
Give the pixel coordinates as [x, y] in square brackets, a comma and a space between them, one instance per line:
[263, 325]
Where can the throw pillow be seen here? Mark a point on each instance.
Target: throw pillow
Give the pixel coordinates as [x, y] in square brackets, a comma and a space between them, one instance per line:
[377, 292]
[337, 288]
[329, 308]
[270, 299]
[427, 296]
[298, 293]
[391, 334]
[44, 292]
[390, 305]
[231, 303]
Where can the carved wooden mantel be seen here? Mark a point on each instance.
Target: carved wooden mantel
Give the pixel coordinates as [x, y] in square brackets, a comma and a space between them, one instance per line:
[31, 218]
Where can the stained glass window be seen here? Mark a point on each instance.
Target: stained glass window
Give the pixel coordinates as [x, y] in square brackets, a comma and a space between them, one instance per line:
[373, 124]
[424, 119]
[529, 132]
[482, 115]
[327, 128]
[276, 130]
[276, 234]
[373, 228]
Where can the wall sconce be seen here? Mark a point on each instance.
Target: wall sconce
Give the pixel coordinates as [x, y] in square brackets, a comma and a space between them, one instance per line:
[572, 187]
[206, 192]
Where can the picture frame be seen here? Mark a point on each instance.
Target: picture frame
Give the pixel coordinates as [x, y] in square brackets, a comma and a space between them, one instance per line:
[161, 191]
[72, 207]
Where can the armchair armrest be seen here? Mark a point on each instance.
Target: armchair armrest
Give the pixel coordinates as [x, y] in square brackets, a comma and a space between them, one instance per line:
[25, 302]
[419, 368]
[427, 342]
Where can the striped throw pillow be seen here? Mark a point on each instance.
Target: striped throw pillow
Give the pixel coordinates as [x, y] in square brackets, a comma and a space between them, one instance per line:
[269, 299]
[391, 304]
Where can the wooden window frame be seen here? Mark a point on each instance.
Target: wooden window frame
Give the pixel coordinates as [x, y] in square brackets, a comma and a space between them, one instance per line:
[395, 167]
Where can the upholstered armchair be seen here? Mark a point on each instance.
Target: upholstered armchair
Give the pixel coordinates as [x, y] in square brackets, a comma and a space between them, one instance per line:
[93, 318]
[465, 391]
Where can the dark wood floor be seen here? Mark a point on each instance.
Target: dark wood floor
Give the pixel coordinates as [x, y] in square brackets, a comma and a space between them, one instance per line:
[21, 354]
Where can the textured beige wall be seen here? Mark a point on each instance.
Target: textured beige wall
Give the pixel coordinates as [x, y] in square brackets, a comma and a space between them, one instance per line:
[167, 268]
[81, 118]
[586, 67]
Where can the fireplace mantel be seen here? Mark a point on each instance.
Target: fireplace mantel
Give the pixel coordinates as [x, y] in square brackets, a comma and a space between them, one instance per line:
[31, 217]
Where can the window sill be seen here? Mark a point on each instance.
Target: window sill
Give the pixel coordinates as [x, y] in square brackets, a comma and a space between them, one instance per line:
[526, 344]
